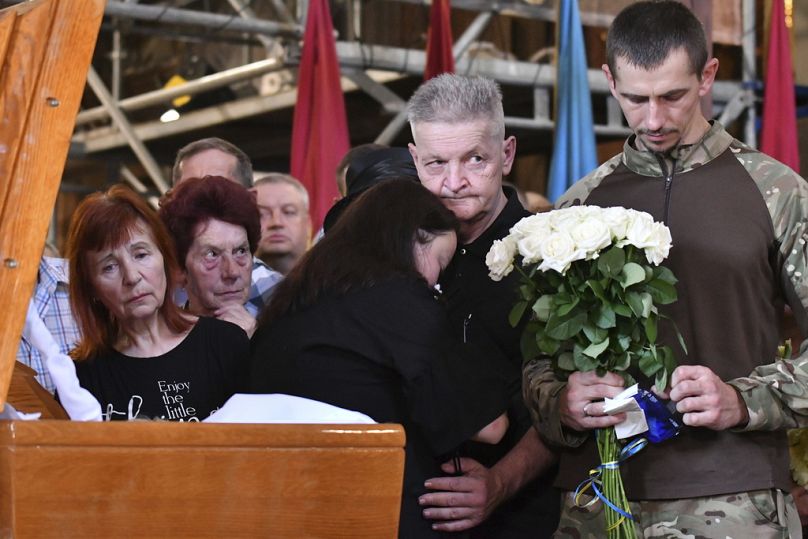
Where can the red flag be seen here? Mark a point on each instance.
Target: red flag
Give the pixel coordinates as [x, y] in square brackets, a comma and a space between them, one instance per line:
[320, 128]
[439, 58]
[779, 136]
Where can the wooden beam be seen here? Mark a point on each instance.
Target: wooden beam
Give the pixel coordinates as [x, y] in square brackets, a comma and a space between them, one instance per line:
[48, 47]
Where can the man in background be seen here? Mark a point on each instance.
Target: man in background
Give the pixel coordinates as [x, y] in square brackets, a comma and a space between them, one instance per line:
[283, 204]
[212, 157]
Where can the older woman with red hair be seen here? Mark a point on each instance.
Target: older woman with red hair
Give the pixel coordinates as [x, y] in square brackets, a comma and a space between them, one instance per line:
[140, 355]
[216, 228]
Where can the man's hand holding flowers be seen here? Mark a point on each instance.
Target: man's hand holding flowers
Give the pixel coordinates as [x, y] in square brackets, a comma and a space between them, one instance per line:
[704, 400]
[581, 402]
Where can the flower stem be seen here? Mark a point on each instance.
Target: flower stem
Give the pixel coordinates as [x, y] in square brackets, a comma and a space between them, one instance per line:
[617, 525]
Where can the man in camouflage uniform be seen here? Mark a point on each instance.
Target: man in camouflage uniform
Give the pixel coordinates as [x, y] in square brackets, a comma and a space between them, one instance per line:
[739, 222]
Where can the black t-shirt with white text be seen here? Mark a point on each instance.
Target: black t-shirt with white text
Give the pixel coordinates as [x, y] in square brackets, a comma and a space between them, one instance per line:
[187, 383]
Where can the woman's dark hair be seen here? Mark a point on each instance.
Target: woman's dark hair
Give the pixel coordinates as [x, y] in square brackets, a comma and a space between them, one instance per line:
[372, 241]
[198, 200]
[105, 220]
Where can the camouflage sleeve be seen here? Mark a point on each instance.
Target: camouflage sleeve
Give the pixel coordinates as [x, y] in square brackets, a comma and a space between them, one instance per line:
[541, 390]
[578, 193]
[776, 394]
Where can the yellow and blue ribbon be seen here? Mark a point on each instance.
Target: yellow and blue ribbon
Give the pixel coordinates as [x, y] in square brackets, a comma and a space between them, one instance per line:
[594, 481]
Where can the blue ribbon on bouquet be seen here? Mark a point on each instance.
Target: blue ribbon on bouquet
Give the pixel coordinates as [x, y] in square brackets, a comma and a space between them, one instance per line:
[593, 481]
[662, 425]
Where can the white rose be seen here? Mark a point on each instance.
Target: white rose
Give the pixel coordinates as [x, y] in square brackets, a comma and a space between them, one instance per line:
[654, 238]
[618, 219]
[558, 252]
[500, 258]
[530, 247]
[660, 245]
[640, 230]
[591, 236]
[566, 218]
[535, 225]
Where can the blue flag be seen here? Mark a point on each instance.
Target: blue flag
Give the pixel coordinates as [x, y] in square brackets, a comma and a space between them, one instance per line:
[574, 150]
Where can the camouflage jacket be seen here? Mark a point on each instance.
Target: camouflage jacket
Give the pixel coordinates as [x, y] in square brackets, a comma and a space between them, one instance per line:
[738, 219]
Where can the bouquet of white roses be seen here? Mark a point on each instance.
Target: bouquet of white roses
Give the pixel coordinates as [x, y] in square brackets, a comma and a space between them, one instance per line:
[591, 281]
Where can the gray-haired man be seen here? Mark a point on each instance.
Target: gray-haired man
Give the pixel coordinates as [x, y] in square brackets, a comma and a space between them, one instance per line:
[461, 153]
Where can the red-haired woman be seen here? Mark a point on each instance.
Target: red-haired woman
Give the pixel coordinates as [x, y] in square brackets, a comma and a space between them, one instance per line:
[140, 355]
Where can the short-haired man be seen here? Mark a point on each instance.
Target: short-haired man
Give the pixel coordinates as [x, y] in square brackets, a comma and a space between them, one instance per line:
[216, 229]
[212, 157]
[283, 204]
[739, 220]
[461, 154]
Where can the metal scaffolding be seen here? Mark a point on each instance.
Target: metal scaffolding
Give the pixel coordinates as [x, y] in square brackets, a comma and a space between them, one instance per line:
[365, 67]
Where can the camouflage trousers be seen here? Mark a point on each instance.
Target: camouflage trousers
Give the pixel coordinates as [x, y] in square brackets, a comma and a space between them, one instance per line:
[757, 514]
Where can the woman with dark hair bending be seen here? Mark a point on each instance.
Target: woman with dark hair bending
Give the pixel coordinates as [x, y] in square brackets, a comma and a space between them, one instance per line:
[140, 355]
[356, 324]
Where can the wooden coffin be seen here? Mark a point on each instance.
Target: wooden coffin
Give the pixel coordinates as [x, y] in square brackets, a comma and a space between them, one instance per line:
[143, 479]
[161, 479]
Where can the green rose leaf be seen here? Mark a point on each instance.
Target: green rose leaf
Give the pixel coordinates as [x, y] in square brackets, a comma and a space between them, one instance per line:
[597, 289]
[583, 362]
[594, 333]
[649, 364]
[663, 293]
[547, 345]
[543, 307]
[622, 309]
[632, 273]
[647, 304]
[595, 349]
[611, 262]
[651, 328]
[634, 301]
[664, 274]
[622, 362]
[604, 316]
[566, 361]
[661, 379]
[640, 303]
[564, 310]
[668, 359]
[623, 342]
[561, 328]
[516, 313]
